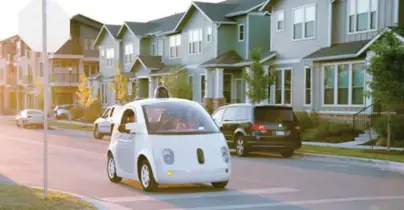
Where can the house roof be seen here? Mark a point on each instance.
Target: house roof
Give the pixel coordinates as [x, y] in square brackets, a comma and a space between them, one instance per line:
[243, 6]
[87, 21]
[112, 30]
[165, 70]
[233, 59]
[161, 25]
[70, 48]
[149, 62]
[347, 50]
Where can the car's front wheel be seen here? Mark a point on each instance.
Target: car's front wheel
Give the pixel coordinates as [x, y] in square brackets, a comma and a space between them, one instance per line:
[241, 149]
[111, 170]
[220, 185]
[287, 154]
[146, 177]
[96, 133]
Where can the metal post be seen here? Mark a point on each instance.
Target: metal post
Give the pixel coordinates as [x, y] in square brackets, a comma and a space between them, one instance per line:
[46, 96]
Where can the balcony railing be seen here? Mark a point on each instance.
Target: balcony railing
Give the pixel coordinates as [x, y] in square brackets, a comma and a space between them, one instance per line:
[65, 78]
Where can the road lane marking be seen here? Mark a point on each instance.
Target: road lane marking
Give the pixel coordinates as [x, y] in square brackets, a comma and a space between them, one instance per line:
[295, 203]
[51, 145]
[199, 195]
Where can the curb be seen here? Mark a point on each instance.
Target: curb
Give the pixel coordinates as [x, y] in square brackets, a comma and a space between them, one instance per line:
[99, 205]
[381, 164]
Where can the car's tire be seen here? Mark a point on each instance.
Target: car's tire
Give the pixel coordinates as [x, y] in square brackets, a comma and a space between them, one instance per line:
[146, 177]
[220, 185]
[111, 170]
[241, 149]
[96, 133]
[287, 154]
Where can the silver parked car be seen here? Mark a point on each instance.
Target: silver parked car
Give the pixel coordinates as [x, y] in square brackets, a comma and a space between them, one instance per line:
[30, 117]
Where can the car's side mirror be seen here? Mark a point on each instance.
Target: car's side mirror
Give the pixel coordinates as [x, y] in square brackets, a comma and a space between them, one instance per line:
[134, 128]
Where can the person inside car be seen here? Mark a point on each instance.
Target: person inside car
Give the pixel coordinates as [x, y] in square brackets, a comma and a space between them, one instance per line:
[161, 92]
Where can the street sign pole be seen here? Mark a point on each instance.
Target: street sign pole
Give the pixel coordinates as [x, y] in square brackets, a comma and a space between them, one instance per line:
[46, 98]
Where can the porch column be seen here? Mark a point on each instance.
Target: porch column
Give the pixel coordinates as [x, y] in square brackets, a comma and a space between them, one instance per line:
[266, 69]
[130, 87]
[219, 83]
[247, 99]
[209, 83]
[137, 88]
[151, 89]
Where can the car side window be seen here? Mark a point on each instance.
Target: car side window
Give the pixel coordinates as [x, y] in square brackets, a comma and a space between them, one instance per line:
[128, 116]
[230, 114]
[106, 113]
[243, 114]
[218, 115]
[112, 112]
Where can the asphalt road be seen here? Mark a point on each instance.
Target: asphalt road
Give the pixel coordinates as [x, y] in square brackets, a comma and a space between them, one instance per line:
[77, 165]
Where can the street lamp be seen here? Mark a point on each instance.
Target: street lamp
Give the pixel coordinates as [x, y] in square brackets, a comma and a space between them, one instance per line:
[70, 75]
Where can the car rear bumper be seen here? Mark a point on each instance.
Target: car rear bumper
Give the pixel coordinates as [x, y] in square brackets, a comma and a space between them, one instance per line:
[33, 122]
[176, 176]
[280, 144]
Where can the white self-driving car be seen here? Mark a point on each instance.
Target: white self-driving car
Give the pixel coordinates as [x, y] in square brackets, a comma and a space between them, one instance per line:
[168, 141]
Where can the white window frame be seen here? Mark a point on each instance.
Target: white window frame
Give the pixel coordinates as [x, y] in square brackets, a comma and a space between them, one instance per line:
[239, 32]
[277, 20]
[192, 41]
[311, 85]
[304, 22]
[128, 59]
[356, 15]
[396, 11]
[283, 87]
[335, 64]
[110, 57]
[209, 34]
[174, 41]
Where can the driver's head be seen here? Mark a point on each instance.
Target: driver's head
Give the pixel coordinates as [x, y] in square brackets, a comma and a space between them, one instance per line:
[131, 118]
[161, 92]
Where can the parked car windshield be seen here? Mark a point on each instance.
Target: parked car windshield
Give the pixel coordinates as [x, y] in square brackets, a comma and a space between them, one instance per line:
[273, 114]
[175, 118]
[34, 112]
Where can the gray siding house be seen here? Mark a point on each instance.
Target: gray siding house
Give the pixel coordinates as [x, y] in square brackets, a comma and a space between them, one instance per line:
[211, 41]
[322, 51]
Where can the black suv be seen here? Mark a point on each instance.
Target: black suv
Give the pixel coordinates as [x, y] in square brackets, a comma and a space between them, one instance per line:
[249, 127]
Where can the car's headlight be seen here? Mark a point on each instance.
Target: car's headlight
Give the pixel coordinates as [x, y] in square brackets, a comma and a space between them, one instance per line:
[168, 156]
[225, 154]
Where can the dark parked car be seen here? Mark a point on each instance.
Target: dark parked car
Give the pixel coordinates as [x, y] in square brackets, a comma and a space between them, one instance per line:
[249, 127]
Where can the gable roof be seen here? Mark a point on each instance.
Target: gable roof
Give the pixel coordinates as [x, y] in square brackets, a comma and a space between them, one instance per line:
[233, 59]
[87, 21]
[149, 62]
[112, 30]
[243, 7]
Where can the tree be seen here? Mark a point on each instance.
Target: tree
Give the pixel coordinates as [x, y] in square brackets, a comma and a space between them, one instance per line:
[120, 86]
[257, 79]
[387, 71]
[84, 93]
[178, 84]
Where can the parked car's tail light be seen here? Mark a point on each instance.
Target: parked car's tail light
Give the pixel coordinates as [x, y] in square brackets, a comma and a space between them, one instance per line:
[258, 127]
[298, 128]
[168, 156]
[225, 154]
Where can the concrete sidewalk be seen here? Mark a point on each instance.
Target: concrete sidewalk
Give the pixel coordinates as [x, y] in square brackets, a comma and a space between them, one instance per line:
[349, 145]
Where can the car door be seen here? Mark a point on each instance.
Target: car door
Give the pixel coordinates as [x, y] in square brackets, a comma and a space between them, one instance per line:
[125, 146]
[103, 124]
[229, 124]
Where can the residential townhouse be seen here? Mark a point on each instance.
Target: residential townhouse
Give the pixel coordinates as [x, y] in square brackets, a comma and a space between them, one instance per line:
[322, 51]
[211, 41]
[23, 67]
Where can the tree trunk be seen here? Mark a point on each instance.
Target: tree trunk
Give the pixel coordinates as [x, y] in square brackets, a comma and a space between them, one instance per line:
[388, 131]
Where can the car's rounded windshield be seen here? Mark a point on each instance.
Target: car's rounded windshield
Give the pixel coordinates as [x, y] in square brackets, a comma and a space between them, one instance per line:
[178, 118]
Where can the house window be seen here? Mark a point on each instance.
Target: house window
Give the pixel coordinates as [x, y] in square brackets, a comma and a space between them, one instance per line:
[241, 32]
[283, 87]
[280, 20]
[344, 84]
[195, 41]
[153, 50]
[175, 45]
[308, 81]
[128, 54]
[102, 53]
[362, 15]
[161, 47]
[202, 87]
[110, 57]
[209, 34]
[304, 21]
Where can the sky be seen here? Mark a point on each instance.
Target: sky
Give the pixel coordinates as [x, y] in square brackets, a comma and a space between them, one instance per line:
[105, 11]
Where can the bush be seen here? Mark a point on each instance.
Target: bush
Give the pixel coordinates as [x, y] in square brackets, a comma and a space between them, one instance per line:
[93, 111]
[77, 112]
[305, 120]
[331, 132]
[396, 126]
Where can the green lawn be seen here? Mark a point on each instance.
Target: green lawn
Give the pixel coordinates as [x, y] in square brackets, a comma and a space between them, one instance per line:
[24, 198]
[370, 154]
[70, 126]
